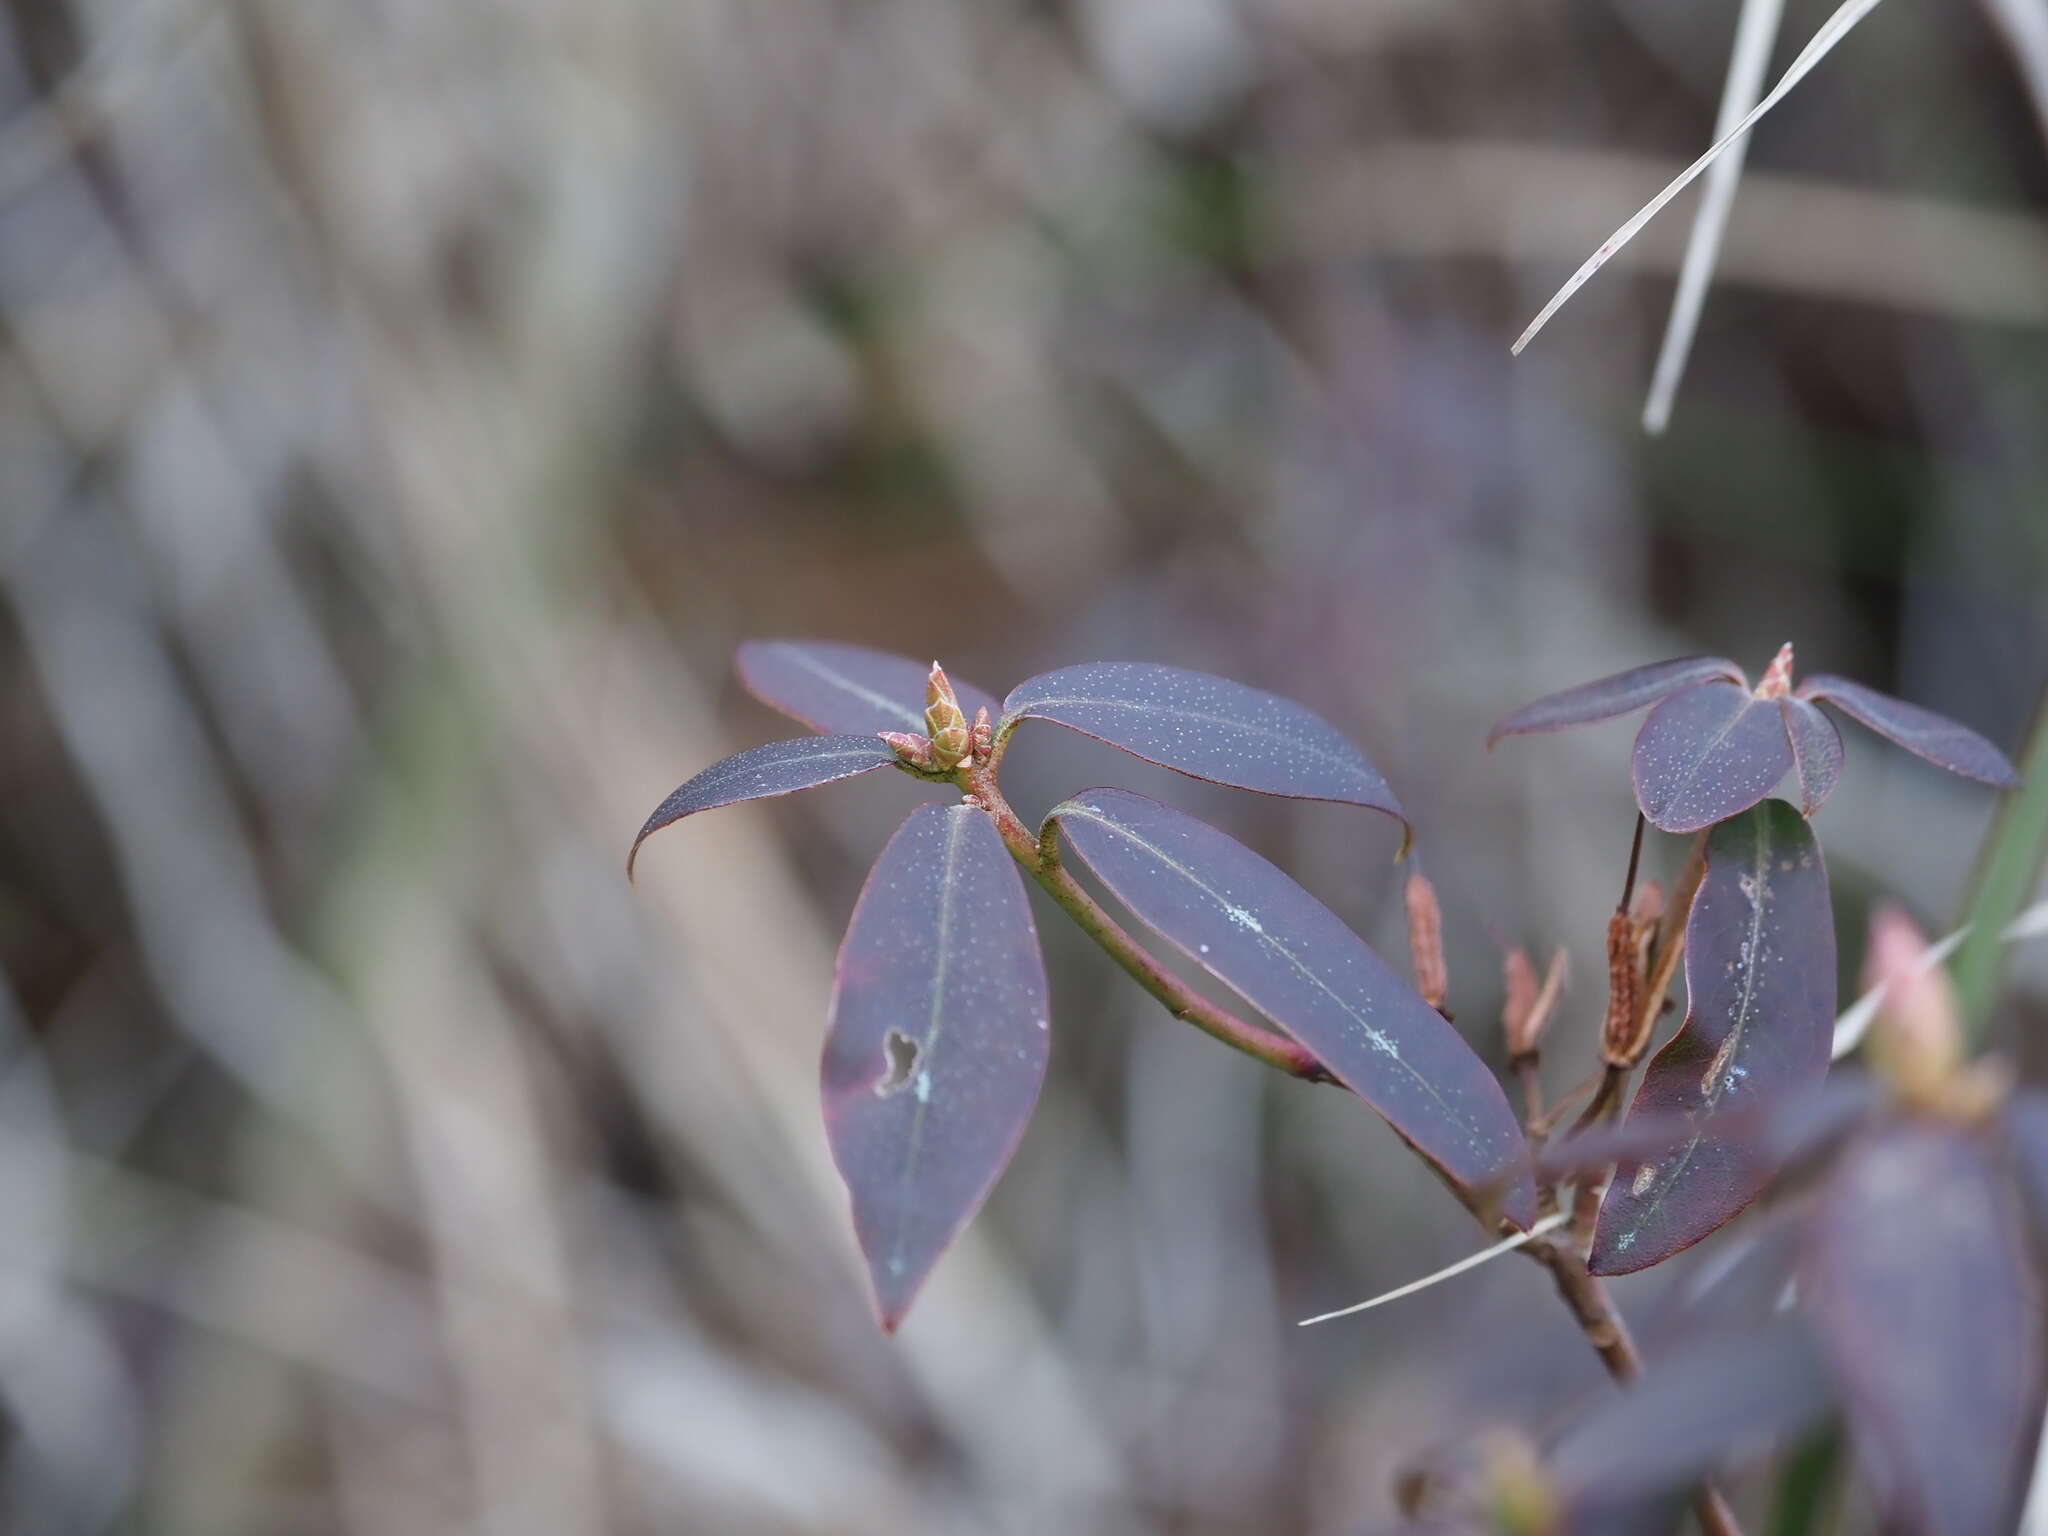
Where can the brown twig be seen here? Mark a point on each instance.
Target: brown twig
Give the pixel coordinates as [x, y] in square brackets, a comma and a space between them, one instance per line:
[1605, 1331]
[1039, 858]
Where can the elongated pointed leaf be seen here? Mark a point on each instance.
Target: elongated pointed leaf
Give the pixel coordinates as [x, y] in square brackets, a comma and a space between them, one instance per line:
[1708, 753]
[1735, 1392]
[1208, 728]
[1287, 954]
[1915, 1278]
[1816, 752]
[1920, 731]
[1760, 983]
[1621, 694]
[780, 768]
[937, 1044]
[845, 688]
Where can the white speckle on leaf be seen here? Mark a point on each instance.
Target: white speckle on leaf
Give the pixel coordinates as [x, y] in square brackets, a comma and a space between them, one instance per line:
[924, 1087]
[1244, 919]
[1645, 1177]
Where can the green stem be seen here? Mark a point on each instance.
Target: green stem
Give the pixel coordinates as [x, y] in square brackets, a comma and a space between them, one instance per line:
[1038, 857]
[2006, 872]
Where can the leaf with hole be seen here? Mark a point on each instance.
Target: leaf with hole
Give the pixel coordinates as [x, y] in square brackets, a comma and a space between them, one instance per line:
[1816, 752]
[937, 1042]
[1920, 731]
[846, 689]
[1917, 1282]
[780, 768]
[1621, 694]
[1208, 728]
[1760, 986]
[1708, 753]
[1248, 924]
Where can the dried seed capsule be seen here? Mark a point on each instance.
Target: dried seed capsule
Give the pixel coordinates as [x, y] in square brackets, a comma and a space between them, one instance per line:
[1518, 979]
[1623, 1035]
[1426, 940]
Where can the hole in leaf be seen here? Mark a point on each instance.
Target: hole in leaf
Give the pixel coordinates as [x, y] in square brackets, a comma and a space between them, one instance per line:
[900, 1052]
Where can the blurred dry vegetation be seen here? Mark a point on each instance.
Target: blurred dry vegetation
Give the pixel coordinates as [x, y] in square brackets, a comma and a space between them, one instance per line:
[406, 404]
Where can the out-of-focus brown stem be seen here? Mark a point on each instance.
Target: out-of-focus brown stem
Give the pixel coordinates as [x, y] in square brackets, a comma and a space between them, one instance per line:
[1583, 1294]
[1670, 946]
[1528, 1072]
[1635, 859]
[1594, 1311]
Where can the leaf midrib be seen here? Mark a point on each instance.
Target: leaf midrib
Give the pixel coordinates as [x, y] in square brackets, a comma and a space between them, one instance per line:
[1233, 722]
[817, 668]
[927, 1047]
[1711, 1102]
[1077, 808]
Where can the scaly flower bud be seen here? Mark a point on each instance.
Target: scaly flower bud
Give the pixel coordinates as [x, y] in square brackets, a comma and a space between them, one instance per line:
[1520, 1493]
[914, 750]
[941, 704]
[945, 722]
[1777, 680]
[950, 747]
[984, 735]
[1916, 1044]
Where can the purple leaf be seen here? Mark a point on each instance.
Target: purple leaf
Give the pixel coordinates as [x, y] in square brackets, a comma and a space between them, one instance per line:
[780, 768]
[1724, 1395]
[1788, 1132]
[1245, 922]
[845, 688]
[1206, 727]
[1918, 1286]
[1617, 695]
[1708, 753]
[1816, 752]
[1920, 731]
[2026, 1122]
[937, 1043]
[1760, 985]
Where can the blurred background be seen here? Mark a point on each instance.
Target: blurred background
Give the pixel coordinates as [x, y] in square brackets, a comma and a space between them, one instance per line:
[406, 405]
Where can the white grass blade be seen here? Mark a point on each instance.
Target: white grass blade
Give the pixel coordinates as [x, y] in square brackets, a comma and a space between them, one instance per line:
[1853, 1025]
[1548, 1224]
[1832, 32]
[2025, 25]
[1756, 33]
